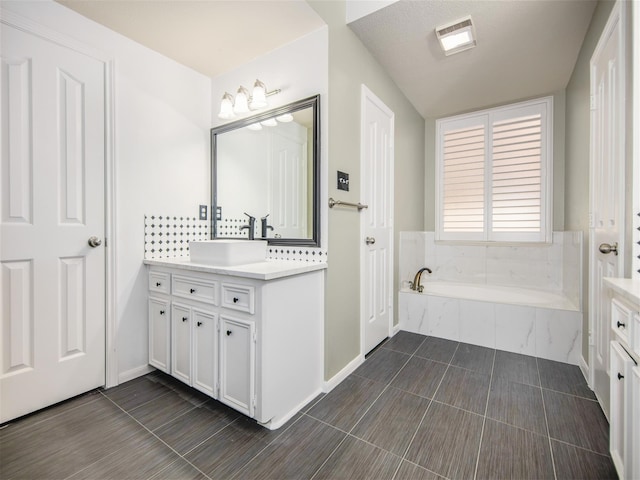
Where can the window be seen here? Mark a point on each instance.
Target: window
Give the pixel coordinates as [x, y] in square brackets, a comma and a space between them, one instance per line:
[493, 174]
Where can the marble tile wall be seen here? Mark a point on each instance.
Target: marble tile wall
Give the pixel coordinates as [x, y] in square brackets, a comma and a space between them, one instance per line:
[555, 267]
[542, 332]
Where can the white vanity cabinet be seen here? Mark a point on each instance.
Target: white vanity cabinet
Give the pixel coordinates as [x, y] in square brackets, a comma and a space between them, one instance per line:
[624, 375]
[249, 336]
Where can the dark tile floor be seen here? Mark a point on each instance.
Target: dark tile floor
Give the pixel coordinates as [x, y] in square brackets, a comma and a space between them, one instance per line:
[418, 408]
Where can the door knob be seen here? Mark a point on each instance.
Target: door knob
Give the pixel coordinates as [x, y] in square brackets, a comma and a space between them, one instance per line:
[370, 240]
[606, 248]
[94, 242]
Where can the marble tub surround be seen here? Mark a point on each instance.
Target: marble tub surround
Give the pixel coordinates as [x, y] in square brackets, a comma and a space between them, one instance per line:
[531, 305]
[554, 267]
[553, 334]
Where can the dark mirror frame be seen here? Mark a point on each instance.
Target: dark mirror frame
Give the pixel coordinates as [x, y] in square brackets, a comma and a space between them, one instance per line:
[311, 102]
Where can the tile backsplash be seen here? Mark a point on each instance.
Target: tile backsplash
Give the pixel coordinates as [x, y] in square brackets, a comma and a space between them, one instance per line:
[167, 236]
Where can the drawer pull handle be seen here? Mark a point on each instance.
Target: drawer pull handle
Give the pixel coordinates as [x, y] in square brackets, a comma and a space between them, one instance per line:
[158, 284]
[620, 376]
[192, 290]
[184, 319]
[235, 299]
[199, 323]
[161, 312]
[229, 332]
[620, 324]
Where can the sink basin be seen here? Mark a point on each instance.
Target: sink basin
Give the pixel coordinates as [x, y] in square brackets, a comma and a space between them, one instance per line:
[227, 252]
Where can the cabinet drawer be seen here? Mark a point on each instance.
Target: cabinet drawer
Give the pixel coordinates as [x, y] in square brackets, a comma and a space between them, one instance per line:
[159, 282]
[621, 318]
[195, 289]
[238, 297]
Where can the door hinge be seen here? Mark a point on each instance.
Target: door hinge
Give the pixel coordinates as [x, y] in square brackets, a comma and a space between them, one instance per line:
[255, 401]
[255, 336]
[218, 389]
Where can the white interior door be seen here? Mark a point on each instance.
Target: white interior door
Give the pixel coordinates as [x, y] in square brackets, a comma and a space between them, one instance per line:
[288, 192]
[52, 202]
[607, 193]
[376, 278]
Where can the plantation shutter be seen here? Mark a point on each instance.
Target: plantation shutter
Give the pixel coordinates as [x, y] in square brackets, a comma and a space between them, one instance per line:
[463, 180]
[493, 174]
[516, 175]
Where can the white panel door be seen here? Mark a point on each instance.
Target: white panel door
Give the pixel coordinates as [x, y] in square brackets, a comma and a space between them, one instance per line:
[181, 342]
[52, 202]
[205, 351]
[376, 279]
[607, 193]
[288, 183]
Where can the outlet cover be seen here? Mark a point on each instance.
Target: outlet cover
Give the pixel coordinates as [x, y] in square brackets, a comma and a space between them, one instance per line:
[203, 212]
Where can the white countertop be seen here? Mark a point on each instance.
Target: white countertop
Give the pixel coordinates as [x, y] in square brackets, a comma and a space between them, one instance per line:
[627, 287]
[267, 270]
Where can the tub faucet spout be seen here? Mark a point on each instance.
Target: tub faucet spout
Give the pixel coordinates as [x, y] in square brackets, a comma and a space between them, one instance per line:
[415, 285]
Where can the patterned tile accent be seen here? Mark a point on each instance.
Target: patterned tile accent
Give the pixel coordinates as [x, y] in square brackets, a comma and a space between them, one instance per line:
[292, 252]
[230, 228]
[168, 236]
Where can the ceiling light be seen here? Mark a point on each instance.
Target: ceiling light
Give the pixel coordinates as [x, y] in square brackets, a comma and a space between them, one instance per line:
[456, 36]
[255, 126]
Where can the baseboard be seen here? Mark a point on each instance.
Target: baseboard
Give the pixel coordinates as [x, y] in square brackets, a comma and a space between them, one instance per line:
[584, 368]
[396, 328]
[134, 373]
[351, 367]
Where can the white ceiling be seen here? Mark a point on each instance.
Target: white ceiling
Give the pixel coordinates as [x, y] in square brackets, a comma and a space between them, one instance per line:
[525, 48]
[210, 36]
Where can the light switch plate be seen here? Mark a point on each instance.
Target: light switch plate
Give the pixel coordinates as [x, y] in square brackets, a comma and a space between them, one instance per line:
[343, 181]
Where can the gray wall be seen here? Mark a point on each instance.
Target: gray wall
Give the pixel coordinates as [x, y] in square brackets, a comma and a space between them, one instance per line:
[577, 151]
[350, 65]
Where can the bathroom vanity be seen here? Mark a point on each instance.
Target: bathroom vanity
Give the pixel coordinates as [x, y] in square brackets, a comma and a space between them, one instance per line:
[624, 375]
[250, 336]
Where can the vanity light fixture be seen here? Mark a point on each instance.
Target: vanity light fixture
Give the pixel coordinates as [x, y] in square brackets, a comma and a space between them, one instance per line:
[269, 122]
[456, 36]
[226, 107]
[244, 102]
[286, 118]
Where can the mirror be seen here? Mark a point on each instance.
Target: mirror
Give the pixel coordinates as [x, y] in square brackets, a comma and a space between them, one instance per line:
[268, 167]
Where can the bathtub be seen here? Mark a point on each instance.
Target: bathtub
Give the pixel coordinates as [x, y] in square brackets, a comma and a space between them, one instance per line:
[519, 320]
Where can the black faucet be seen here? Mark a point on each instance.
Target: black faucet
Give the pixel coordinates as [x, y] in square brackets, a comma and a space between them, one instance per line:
[251, 227]
[264, 225]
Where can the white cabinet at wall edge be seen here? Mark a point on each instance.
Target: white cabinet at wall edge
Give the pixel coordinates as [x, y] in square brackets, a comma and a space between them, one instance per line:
[254, 345]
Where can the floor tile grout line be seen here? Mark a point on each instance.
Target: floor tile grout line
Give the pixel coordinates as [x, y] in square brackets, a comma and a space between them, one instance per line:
[268, 444]
[606, 455]
[154, 435]
[484, 418]
[546, 419]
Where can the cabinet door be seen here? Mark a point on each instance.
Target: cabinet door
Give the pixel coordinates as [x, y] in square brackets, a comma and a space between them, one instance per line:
[159, 333]
[237, 364]
[181, 342]
[634, 448]
[620, 403]
[205, 351]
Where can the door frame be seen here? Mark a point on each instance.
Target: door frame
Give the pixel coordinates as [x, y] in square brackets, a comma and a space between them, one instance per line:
[616, 17]
[19, 22]
[367, 95]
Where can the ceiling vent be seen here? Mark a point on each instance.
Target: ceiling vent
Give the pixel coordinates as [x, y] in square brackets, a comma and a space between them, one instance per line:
[456, 36]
